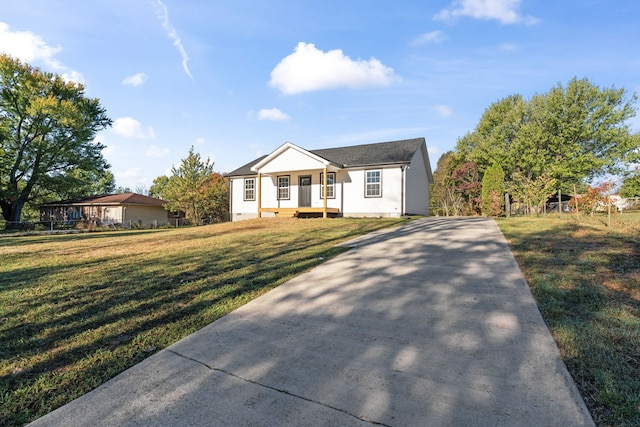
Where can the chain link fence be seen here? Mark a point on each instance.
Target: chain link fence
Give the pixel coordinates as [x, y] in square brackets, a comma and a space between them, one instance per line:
[95, 225]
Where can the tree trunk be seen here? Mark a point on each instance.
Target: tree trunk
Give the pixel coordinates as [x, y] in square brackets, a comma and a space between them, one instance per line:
[12, 212]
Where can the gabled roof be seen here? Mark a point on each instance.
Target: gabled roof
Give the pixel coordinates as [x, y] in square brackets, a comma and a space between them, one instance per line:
[381, 153]
[289, 146]
[110, 199]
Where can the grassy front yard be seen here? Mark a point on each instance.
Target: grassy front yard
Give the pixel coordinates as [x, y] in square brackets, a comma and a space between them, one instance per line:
[585, 277]
[75, 310]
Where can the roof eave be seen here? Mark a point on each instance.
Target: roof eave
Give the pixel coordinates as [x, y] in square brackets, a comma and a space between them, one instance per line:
[367, 165]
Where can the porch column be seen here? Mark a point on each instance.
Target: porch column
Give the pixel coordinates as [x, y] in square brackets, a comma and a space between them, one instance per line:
[259, 195]
[324, 193]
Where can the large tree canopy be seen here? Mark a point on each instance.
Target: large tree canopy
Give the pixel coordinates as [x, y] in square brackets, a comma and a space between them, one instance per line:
[195, 189]
[570, 133]
[47, 136]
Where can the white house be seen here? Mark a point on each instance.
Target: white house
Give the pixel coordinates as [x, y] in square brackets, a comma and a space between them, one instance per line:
[387, 179]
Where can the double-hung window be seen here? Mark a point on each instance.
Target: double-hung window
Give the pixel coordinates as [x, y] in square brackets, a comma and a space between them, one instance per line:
[249, 188]
[283, 187]
[331, 185]
[373, 184]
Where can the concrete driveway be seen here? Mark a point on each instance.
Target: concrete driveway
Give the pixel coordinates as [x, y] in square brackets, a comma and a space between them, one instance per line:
[430, 324]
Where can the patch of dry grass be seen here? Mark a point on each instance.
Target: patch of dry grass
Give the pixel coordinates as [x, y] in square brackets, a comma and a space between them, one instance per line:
[585, 277]
[75, 310]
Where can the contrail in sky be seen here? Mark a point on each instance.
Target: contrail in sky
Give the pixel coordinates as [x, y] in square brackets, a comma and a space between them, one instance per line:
[163, 14]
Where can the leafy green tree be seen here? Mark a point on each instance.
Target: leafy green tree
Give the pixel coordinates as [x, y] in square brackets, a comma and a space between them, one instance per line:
[571, 133]
[582, 130]
[532, 191]
[214, 193]
[159, 186]
[122, 190]
[195, 189]
[47, 134]
[493, 191]
[496, 137]
[82, 183]
[631, 185]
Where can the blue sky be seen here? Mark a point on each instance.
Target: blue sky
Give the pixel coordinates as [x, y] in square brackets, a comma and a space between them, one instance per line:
[238, 78]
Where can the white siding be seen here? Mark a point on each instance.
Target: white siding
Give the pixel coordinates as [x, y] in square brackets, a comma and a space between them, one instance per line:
[290, 159]
[417, 186]
[240, 208]
[356, 204]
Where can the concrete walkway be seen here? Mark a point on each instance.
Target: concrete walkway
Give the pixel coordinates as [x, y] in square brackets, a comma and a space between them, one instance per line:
[430, 324]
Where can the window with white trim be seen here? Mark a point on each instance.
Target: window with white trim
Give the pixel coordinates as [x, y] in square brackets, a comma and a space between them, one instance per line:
[373, 184]
[249, 189]
[283, 187]
[331, 185]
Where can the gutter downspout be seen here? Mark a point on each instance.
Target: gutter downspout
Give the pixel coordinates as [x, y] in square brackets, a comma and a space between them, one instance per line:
[403, 181]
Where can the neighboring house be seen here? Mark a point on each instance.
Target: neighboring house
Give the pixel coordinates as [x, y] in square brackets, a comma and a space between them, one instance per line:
[387, 179]
[124, 210]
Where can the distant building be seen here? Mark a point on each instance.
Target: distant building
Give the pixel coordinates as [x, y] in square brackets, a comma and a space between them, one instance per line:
[126, 210]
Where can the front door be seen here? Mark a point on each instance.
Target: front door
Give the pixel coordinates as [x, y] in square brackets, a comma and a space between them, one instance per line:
[304, 191]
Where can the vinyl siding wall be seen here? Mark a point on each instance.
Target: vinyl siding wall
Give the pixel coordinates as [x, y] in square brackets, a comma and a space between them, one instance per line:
[355, 203]
[349, 193]
[417, 186]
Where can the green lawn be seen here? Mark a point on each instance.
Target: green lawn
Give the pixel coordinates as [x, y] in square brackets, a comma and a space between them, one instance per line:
[75, 310]
[585, 277]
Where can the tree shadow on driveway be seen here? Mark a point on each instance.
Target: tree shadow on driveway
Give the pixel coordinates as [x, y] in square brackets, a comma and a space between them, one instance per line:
[428, 324]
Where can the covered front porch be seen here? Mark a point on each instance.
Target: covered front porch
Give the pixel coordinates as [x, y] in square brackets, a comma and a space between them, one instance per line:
[294, 182]
[301, 211]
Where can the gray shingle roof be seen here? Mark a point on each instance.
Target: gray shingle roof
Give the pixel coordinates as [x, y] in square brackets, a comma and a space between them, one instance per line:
[381, 153]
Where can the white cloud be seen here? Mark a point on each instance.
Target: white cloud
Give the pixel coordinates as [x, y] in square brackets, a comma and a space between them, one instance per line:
[432, 37]
[135, 80]
[129, 127]
[508, 47]
[31, 48]
[109, 150]
[505, 11]
[200, 141]
[155, 151]
[132, 175]
[443, 110]
[308, 69]
[163, 14]
[272, 114]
